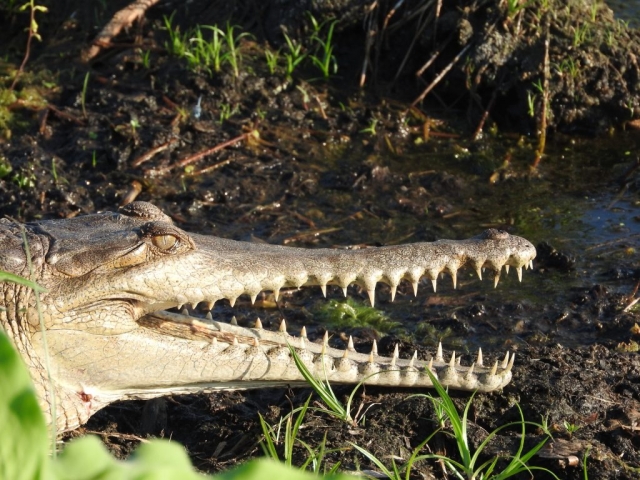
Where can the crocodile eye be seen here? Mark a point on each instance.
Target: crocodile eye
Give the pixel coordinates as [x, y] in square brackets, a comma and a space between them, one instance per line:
[164, 242]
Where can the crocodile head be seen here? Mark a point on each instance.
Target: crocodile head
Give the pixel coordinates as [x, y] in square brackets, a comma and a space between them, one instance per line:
[110, 276]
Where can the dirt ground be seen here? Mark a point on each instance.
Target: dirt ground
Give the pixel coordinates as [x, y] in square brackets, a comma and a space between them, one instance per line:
[308, 162]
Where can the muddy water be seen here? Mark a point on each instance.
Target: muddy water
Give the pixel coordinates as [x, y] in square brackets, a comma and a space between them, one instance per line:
[582, 201]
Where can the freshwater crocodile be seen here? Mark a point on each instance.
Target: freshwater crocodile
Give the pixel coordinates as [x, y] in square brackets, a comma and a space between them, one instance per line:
[109, 278]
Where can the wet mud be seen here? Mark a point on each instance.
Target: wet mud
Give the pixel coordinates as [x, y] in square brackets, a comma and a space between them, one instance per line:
[302, 162]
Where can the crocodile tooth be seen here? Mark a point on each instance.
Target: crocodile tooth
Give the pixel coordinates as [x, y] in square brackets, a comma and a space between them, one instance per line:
[459, 360]
[413, 359]
[256, 342]
[208, 316]
[323, 287]
[258, 324]
[232, 301]
[179, 307]
[479, 361]
[395, 356]
[505, 362]
[209, 305]
[234, 320]
[276, 294]
[531, 264]
[510, 366]
[350, 344]
[469, 374]
[303, 344]
[506, 269]
[235, 341]
[434, 282]
[454, 278]
[344, 290]
[374, 348]
[184, 312]
[372, 295]
[519, 271]
[439, 357]
[346, 353]
[452, 362]
[253, 298]
[494, 369]
[394, 287]
[303, 332]
[496, 279]
[371, 357]
[283, 326]
[479, 272]
[415, 288]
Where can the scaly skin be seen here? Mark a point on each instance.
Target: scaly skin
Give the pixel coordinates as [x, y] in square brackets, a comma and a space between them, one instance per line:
[109, 277]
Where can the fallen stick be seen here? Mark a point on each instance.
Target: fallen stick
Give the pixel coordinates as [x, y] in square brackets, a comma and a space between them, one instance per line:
[122, 19]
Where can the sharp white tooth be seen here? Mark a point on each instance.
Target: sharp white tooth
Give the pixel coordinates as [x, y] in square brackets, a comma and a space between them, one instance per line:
[234, 320]
[350, 344]
[325, 338]
[345, 354]
[208, 316]
[470, 372]
[454, 278]
[513, 359]
[256, 342]
[258, 324]
[184, 312]
[452, 362]
[505, 362]
[253, 298]
[232, 301]
[395, 356]
[413, 359]
[479, 272]
[283, 326]
[439, 357]
[434, 282]
[208, 305]
[303, 343]
[393, 292]
[531, 264]
[415, 288]
[519, 272]
[506, 269]
[494, 369]
[276, 294]
[374, 348]
[371, 357]
[180, 306]
[496, 279]
[459, 360]
[303, 332]
[372, 296]
[324, 290]
[344, 290]
[479, 361]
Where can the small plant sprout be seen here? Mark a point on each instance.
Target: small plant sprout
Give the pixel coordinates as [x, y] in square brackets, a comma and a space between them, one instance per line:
[233, 51]
[571, 428]
[293, 55]
[325, 61]
[371, 129]
[272, 57]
